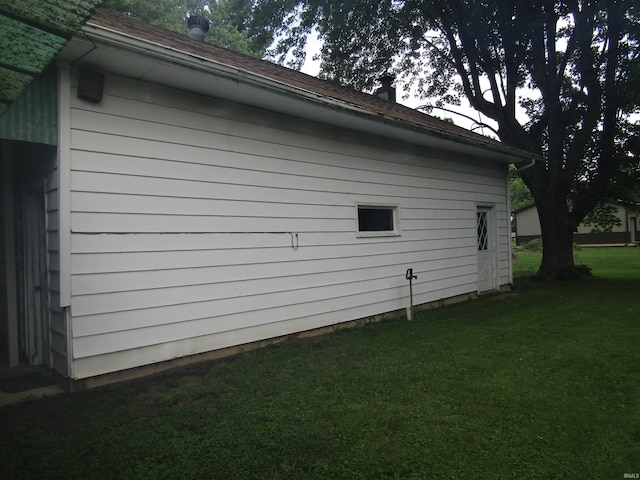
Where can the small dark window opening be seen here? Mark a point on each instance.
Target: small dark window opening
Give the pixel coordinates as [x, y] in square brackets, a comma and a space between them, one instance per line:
[376, 219]
[483, 231]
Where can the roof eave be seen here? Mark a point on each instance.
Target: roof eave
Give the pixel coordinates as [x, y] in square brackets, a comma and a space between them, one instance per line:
[316, 106]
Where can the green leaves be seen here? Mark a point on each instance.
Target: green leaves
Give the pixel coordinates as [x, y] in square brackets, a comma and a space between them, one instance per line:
[233, 24]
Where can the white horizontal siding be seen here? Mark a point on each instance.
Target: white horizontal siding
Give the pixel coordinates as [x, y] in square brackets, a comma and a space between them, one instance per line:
[197, 225]
[220, 316]
[92, 222]
[177, 161]
[311, 272]
[92, 202]
[142, 355]
[219, 287]
[158, 242]
[338, 254]
[202, 125]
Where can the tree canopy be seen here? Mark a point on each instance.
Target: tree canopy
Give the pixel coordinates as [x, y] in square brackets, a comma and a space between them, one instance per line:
[560, 79]
[233, 24]
[520, 195]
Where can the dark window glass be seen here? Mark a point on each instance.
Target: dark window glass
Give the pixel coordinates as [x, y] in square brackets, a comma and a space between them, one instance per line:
[375, 219]
[483, 231]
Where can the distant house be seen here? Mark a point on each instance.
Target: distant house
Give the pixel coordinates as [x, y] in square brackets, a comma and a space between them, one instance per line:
[528, 228]
[196, 201]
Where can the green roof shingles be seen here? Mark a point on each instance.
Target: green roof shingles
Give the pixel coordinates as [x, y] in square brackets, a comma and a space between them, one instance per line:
[32, 32]
[25, 48]
[62, 17]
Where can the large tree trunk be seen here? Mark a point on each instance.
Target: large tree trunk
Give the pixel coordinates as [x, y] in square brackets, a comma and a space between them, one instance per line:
[557, 241]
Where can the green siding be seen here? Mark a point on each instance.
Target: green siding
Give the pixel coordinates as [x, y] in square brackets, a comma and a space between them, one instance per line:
[33, 117]
[13, 83]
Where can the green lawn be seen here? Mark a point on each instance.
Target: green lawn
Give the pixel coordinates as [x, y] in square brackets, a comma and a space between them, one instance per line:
[542, 384]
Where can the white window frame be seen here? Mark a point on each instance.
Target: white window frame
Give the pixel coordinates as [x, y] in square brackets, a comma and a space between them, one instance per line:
[395, 209]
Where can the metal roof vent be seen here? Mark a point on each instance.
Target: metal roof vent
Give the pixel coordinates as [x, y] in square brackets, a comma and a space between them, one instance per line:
[198, 27]
[386, 91]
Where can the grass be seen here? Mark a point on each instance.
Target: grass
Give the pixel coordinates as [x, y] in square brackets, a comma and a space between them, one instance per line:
[544, 384]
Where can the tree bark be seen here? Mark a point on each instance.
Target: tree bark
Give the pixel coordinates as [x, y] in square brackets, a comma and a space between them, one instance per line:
[557, 242]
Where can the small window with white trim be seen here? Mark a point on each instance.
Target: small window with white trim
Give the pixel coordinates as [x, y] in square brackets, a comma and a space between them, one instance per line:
[377, 220]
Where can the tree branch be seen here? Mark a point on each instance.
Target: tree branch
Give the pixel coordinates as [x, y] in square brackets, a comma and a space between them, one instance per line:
[478, 123]
[589, 68]
[606, 143]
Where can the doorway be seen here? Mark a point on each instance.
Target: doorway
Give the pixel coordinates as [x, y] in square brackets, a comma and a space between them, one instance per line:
[486, 250]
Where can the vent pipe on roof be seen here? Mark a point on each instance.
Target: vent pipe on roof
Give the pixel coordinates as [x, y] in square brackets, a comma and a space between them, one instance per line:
[198, 27]
[386, 91]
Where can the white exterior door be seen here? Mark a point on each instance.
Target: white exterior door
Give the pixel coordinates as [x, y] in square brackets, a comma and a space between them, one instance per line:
[486, 250]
